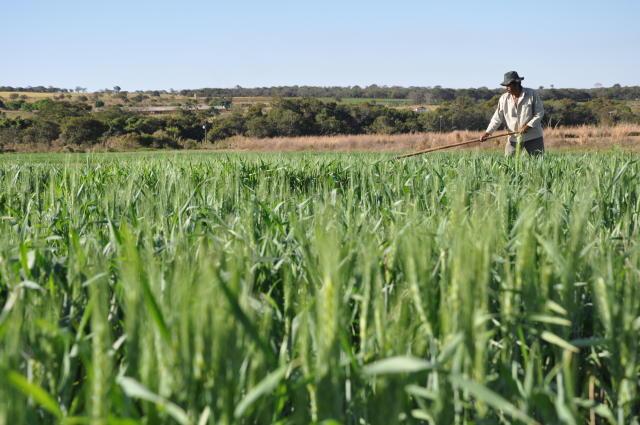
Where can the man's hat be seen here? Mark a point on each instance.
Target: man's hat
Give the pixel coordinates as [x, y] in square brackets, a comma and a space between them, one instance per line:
[510, 77]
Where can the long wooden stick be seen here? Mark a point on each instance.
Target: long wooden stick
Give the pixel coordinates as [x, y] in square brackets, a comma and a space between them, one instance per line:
[439, 148]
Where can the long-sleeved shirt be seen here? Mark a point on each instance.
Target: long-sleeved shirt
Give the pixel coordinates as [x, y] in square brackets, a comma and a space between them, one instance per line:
[526, 110]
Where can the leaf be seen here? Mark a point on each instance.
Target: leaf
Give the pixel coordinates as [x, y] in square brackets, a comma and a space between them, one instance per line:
[421, 392]
[555, 307]
[154, 308]
[31, 259]
[422, 415]
[450, 348]
[94, 278]
[491, 398]
[204, 416]
[551, 320]
[30, 284]
[268, 384]
[241, 316]
[556, 340]
[588, 342]
[604, 411]
[398, 364]
[36, 392]
[135, 389]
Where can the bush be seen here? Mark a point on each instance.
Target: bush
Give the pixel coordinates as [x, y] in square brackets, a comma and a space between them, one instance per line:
[144, 125]
[158, 140]
[83, 130]
[286, 122]
[59, 111]
[10, 135]
[163, 139]
[14, 105]
[259, 127]
[230, 125]
[139, 98]
[42, 131]
[189, 144]
[123, 142]
[383, 125]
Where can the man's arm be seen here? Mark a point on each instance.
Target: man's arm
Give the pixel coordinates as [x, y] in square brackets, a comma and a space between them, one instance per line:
[538, 111]
[496, 121]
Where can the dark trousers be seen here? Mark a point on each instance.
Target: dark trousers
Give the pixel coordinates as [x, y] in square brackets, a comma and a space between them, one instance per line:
[533, 147]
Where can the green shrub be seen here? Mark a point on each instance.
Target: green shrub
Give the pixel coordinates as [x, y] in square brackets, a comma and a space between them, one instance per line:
[83, 130]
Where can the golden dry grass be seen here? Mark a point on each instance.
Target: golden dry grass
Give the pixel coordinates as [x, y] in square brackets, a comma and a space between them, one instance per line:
[18, 114]
[626, 136]
[31, 96]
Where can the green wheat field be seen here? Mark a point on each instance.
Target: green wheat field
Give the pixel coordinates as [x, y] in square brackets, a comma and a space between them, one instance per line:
[458, 288]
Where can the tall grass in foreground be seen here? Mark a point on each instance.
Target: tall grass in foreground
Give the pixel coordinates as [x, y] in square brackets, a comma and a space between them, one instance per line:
[212, 289]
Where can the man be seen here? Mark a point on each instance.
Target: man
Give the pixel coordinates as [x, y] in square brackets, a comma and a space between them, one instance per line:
[521, 110]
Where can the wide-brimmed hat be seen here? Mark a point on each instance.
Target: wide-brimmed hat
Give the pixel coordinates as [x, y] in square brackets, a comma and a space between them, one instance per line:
[511, 77]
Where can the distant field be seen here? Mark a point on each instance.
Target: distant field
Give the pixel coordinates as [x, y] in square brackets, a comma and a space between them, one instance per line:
[358, 100]
[29, 95]
[349, 100]
[634, 105]
[238, 103]
[111, 98]
[16, 114]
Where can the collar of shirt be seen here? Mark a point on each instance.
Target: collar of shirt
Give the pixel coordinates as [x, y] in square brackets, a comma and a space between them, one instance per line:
[518, 100]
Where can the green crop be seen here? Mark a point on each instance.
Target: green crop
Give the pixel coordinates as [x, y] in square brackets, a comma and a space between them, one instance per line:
[218, 289]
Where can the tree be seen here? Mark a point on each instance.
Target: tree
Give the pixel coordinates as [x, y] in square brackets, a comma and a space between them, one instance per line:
[285, 122]
[417, 96]
[329, 125]
[42, 131]
[58, 111]
[227, 126]
[259, 126]
[116, 89]
[83, 130]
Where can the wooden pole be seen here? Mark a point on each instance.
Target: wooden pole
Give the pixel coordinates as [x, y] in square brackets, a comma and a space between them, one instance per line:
[439, 148]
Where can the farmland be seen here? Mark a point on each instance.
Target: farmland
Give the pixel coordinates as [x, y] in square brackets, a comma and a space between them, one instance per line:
[212, 288]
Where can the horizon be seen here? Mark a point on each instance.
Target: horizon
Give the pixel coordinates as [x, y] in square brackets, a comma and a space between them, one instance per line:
[238, 87]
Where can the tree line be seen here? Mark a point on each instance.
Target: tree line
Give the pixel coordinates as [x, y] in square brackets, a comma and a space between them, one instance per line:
[420, 95]
[309, 117]
[76, 123]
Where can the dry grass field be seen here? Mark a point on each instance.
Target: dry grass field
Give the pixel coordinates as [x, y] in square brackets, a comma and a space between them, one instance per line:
[626, 137]
[29, 96]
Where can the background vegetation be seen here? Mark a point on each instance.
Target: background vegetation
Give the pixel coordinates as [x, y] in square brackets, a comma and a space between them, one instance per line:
[121, 120]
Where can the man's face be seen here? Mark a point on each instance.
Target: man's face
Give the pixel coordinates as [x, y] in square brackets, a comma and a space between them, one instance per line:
[513, 88]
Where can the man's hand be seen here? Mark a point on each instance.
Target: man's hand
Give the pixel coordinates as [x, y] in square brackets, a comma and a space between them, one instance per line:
[484, 137]
[524, 129]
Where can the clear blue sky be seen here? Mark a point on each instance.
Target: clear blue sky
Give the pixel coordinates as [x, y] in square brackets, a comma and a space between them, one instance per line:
[142, 44]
